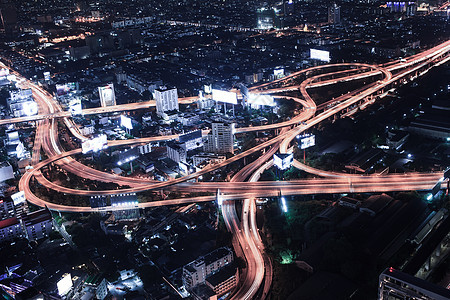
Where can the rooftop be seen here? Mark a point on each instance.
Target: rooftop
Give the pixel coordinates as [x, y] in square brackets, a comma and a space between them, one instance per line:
[8, 222]
[37, 217]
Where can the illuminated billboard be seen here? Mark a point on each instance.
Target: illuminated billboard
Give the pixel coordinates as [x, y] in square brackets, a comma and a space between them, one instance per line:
[13, 137]
[65, 284]
[18, 198]
[224, 96]
[46, 76]
[29, 108]
[4, 72]
[95, 144]
[283, 161]
[259, 99]
[278, 73]
[207, 88]
[75, 106]
[63, 89]
[320, 55]
[306, 141]
[126, 122]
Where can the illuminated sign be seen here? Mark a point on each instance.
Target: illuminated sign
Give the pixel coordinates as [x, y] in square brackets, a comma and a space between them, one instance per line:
[258, 99]
[18, 198]
[13, 137]
[96, 144]
[30, 108]
[278, 72]
[65, 284]
[224, 96]
[63, 89]
[4, 72]
[306, 141]
[126, 122]
[320, 55]
[207, 88]
[46, 76]
[75, 106]
[283, 161]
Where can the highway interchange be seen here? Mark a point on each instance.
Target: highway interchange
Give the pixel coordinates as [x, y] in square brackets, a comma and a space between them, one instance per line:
[246, 238]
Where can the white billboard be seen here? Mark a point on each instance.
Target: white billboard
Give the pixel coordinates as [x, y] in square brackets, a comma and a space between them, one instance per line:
[283, 161]
[126, 122]
[65, 284]
[96, 144]
[18, 198]
[207, 88]
[4, 72]
[13, 137]
[224, 96]
[278, 72]
[320, 55]
[30, 108]
[75, 106]
[259, 99]
[306, 141]
[46, 76]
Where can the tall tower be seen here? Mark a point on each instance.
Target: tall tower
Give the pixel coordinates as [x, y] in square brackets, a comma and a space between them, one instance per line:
[334, 14]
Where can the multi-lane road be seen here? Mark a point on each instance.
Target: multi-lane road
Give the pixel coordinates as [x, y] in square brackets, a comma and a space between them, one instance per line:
[245, 230]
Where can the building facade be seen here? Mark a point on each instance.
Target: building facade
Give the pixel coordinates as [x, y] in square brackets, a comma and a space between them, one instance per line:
[394, 284]
[107, 95]
[220, 139]
[196, 272]
[166, 100]
[37, 224]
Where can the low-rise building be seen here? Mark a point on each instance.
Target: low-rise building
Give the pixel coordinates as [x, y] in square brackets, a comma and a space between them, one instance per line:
[37, 224]
[195, 273]
[10, 229]
[211, 158]
[176, 152]
[394, 284]
[224, 280]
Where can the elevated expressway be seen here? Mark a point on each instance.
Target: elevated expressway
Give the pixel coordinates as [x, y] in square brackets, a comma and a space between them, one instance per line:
[414, 66]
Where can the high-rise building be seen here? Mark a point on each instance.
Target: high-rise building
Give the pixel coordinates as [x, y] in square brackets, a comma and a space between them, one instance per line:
[394, 284]
[220, 139]
[8, 14]
[288, 7]
[166, 100]
[267, 18]
[107, 95]
[334, 14]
